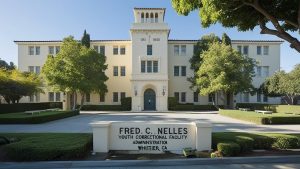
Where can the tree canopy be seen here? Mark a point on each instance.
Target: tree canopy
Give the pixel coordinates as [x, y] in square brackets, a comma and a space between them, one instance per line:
[15, 84]
[5, 65]
[283, 15]
[223, 69]
[76, 68]
[283, 84]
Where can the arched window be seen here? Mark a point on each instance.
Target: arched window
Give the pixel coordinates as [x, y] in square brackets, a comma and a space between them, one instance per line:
[147, 17]
[152, 17]
[156, 17]
[142, 17]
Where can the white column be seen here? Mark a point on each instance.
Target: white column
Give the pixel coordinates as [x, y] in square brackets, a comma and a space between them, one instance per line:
[101, 136]
[203, 136]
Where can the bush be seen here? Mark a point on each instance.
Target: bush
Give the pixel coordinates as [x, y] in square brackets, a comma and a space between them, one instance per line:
[282, 120]
[286, 142]
[228, 149]
[191, 107]
[257, 106]
[126, 103]
[172, 102]
[21, 107]
[102, 107]
[48, 146]
[21, 118]
[246, 143]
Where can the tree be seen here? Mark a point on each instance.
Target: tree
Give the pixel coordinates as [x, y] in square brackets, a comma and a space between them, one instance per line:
[15, 84]
[85, 40]
[226, 40]
[76, 68]
[283, 15]
[283, 84]
[196, 60]
[7, 66]
[224, 70]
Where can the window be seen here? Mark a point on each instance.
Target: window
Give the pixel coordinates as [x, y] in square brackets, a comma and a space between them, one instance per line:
[102, 97]
[115, 97]
[152, 17]
[142, 17]
[149, 66]
[102, 50]
[57, 49]
[183, 50]
[51, 96]
[176, 95]
[123, 95]
[258, 71]
[155, 66]
[183, 96]
[149, 49]
[265, 70]
[31, 50]
[183, 70]
[31, 98]
[246, 97]
[211, 97]
[123, 73]
[176, 70]
[122, 50]
[266, 50]
[147, 17]
[196, 94]
[245, 50]
[143, 66]
[96, 48]
[258, 95]
[176, 50]
[116, 71]
[156, 39]
[115, 50]
[258, 50]
[57, 96]
[37, 97]
[31, 69]
[265, 99]
[87, 97]
[156, 17]
[239, 48]
[37, 69]
[51, 50]
[37, 50]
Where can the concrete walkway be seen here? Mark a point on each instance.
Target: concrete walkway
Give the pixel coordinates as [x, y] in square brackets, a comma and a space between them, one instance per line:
[280, 162]
[80, 124]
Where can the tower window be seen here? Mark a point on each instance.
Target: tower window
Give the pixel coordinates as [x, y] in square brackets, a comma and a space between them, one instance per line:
[152, 17]
[156, 17]
[149, 49]
[142, 17]
[147, 17]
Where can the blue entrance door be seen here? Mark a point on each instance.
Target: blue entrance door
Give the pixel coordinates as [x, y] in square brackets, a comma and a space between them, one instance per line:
[149, 100]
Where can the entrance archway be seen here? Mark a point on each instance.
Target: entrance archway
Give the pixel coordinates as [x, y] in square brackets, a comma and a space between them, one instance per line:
[149, 100]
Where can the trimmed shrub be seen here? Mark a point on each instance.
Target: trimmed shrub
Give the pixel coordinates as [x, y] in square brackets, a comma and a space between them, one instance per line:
[40, 118]
[286, 142]
[126, 103]
[49, 146]
[191, 107]
[257, 106]
[172, 102]
[21, 107]
[228, 149]
[262, 142]
[282, 120]
[246, 143]
[102, 107]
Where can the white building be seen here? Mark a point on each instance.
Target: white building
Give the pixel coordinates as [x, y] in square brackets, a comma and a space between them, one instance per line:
[150, 67]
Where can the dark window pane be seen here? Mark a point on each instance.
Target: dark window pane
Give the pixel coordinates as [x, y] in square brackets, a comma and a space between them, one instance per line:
[183, 97]
[115, 51]
[102, 97]
[115, 97]
[176, 95]
[258, 52]
[122, 50]
[155, 66]
[176, 70]
[123, 73]
[149, 49]
[116, 71]
[123, 95]
[143, 66]
[196, 94]
[102, 50]
[149, 66]
[57, 97]
[183, 70]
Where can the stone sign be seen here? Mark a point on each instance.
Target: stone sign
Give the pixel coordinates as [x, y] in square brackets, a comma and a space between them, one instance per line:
[150, 136]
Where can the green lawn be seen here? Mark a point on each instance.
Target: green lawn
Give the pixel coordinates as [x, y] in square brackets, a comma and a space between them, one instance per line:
[259, 118]
[46, 146]
[23, 118]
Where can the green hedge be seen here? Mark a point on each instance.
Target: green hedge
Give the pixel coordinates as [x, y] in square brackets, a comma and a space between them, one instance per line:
[191, 107]
[229, 149]
[102, 108]
[22, 118]
[48, 146]
[126, 103]
[249, 141]
[257, 106]
[21, 107]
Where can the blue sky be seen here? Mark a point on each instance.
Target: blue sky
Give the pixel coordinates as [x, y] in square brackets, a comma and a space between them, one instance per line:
[103, 19]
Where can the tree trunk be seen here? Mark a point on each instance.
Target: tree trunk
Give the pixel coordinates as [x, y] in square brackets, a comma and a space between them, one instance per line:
[82, 100]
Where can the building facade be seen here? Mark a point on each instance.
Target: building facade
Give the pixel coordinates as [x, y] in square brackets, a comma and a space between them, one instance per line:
[150, 67]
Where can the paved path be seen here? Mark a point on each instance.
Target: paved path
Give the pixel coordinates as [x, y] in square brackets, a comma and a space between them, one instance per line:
[81, 123]
[282, 162]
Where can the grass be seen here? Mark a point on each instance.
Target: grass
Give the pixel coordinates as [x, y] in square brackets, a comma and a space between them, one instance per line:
[259, 118]
[47, 146]
[22, 118]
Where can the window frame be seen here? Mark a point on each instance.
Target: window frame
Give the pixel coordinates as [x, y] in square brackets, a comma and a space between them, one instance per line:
[122, 71]
[115, 97]
[149, 50]
[176, 50]
[258, 50]
[183, 48]
[183, 71]
[266, 50]
[115, 50]
[176, 73]
[196, 97]
[122, 50]
[115, 71]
